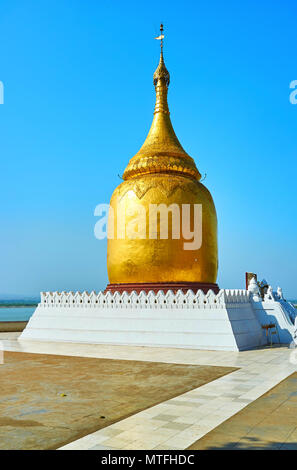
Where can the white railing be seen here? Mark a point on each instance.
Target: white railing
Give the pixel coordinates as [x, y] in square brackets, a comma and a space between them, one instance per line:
[145, 300]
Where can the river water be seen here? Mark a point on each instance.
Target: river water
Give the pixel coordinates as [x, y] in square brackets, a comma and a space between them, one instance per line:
[16, 313]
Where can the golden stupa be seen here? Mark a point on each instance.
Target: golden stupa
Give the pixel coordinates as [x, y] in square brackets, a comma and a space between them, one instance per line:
[161, 173]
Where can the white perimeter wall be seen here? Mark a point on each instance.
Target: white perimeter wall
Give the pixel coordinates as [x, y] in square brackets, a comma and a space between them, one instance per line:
[226, 321]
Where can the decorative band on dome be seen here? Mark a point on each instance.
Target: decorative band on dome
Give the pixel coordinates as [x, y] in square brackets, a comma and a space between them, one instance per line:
[162, 164]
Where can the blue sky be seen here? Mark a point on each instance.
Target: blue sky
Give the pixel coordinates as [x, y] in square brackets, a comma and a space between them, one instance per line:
[79, 102]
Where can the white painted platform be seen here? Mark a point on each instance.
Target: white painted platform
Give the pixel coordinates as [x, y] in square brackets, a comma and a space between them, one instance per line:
[226, 321]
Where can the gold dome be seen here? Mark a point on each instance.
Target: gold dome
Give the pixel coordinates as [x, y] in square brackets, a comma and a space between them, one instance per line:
[161, 173]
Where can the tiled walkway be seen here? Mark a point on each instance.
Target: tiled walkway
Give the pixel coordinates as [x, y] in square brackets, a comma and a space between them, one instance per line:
[191, 415]
[270, 422]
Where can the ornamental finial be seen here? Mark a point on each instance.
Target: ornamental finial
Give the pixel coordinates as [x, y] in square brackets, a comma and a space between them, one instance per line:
[161, 37]
[161, 71]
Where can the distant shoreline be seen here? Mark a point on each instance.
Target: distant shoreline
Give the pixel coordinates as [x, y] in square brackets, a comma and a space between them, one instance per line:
[12, 326]
[17, 305]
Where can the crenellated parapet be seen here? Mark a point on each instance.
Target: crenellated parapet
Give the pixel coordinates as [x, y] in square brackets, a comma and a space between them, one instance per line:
[183, 319]
[145, 300]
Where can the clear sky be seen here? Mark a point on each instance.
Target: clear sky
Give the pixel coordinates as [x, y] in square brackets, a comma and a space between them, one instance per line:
[78, 103]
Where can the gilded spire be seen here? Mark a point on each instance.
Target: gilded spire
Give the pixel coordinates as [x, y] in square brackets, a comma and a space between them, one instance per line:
[161, 151]
[161, 83]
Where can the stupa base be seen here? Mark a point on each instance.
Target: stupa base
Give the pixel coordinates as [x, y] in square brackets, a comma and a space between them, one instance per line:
[224, 321]
[232, 320]
[164, 286]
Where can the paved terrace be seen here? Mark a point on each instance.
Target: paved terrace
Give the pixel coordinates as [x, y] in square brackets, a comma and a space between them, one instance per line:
[184, 420]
